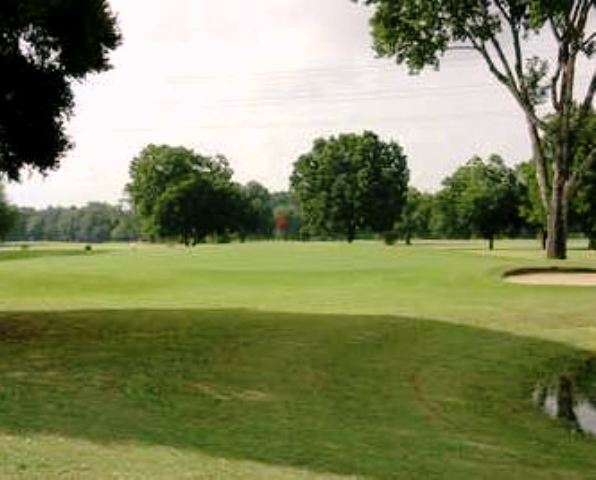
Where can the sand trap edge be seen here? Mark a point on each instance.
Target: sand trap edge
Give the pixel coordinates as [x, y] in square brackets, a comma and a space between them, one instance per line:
[552, 276]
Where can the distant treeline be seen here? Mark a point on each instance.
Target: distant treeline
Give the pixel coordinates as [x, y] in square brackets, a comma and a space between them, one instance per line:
[95, 222]
[347, 187]
[99, 222]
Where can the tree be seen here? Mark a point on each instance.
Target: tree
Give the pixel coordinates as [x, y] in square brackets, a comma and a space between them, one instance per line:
[178, 193]
[258, 214]
[159, 168]
[584, 207]
[19, 231]
[483, 196]
[349, 183]
[197, 207]
[95, 222]
[416, 216]
[8, 216]
[582, 199]
[583, 196]
[286, 215]
[419, 32]
[126, 228]
[531, 208]
[44, 47]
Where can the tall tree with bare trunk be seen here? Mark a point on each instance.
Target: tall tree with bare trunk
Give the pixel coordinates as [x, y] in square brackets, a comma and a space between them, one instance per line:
[420, 32]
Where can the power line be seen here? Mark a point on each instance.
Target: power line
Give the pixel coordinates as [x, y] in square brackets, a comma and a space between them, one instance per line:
[373, 66]
[426, 118]
[342, 96]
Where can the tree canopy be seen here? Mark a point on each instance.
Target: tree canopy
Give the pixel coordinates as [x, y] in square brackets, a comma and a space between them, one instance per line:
[44, 47]
[584, 207]
[196, 207]
[181, 194]
[419, 32]
[94, 222]
[286, 216]
[582, 212]
[8, 215]
[416, 216]
[482, 196]
[257, 218]
[160, 174]
[349, 183]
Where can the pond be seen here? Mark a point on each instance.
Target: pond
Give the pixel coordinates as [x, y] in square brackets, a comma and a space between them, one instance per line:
[571, 397]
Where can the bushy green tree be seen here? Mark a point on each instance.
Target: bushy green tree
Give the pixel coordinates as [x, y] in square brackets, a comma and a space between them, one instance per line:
[96, 222]
[350, 183]
[482, 196]
[416, 220]
[582, 197]
[583, 194]
[419, 32]
[196, 207]
[126, 227]
[181, 194]
[162, 170]
[584, 207]
[258, 215]
[286, 216]
[530, 207]
[8, 216]
[44, 47]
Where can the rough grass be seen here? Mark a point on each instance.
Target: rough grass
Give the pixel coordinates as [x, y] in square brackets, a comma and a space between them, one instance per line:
[287, 361]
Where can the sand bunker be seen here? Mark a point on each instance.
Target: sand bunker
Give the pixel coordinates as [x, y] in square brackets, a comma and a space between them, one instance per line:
[576, 278]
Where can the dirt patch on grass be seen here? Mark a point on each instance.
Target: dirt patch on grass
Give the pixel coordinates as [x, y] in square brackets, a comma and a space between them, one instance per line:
[574, 277]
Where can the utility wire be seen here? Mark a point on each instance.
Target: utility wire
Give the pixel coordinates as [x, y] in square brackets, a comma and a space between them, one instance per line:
[427, 118]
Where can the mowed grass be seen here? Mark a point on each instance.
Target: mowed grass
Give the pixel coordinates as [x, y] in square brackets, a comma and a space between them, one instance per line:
[285, 360]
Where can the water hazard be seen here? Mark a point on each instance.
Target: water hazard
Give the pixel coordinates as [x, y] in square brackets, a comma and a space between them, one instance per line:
[571, 397]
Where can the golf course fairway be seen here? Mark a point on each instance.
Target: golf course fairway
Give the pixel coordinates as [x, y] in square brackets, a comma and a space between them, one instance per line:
[287, 361]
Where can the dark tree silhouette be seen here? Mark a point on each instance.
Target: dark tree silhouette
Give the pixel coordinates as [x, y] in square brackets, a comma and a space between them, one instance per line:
[44, 47]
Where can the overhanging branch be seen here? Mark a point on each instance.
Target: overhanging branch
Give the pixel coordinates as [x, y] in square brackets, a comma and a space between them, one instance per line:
[553, 88]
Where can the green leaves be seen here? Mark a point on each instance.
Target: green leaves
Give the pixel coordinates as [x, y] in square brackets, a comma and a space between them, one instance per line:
[181, 194]
[8, 215]
[483, 196]
[419, 32]
[44, 46]
[349, 183]
[534, 75]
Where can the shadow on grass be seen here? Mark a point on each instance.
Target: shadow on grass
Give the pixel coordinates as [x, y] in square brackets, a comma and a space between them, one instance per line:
[549, 269]
[380, 397]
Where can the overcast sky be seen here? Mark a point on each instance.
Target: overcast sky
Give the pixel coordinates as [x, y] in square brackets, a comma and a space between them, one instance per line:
[257, 81]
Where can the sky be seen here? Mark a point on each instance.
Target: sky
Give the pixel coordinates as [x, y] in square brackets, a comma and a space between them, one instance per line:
[258, 81]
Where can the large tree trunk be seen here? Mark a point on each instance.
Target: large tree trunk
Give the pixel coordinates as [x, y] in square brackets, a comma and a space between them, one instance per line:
[351, 234]
[556, 243]
[556, 206]
[557, 213]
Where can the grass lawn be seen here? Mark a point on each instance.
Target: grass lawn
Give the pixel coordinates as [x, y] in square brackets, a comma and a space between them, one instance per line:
[286, 360]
